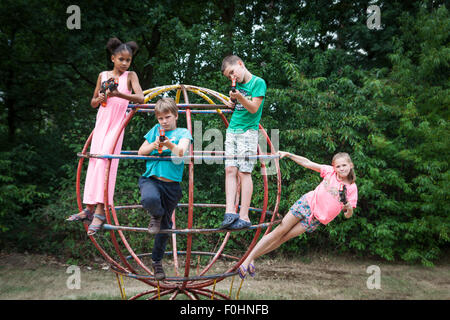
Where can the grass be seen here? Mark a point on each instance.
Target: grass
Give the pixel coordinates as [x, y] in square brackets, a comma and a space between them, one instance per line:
[310, 278]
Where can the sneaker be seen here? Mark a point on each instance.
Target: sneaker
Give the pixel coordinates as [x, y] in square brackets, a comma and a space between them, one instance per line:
[158, 270]
[154, 225]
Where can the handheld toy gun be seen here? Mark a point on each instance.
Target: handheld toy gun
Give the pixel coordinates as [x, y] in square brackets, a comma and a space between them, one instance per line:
[233, 88]
[110, 84]
[162, 137]
[343, 194]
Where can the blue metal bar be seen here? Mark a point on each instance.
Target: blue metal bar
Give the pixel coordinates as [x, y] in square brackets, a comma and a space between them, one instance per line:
[183, 158]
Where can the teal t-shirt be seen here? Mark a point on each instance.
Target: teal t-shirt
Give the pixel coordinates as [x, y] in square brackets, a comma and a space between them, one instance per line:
[169, 169]
[242, 120]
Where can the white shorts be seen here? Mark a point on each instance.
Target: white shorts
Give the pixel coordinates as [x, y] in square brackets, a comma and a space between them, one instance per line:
[241, 144]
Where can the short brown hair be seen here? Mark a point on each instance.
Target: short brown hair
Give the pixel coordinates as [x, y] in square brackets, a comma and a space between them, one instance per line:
[165, 105]
[351, 175]
[231, 59]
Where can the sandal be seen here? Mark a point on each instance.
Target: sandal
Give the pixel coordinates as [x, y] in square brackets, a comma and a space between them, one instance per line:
[229, 219]
[96, 227]
[76, 217]
[251, 269]
[242, 272]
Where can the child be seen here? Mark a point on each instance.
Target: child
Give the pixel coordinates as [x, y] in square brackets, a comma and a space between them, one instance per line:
[241, 138]
[109, 119]
[160, 184]
[321, 205]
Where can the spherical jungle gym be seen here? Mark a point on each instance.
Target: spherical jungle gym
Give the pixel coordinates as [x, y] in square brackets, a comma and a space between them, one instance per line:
[192, 282]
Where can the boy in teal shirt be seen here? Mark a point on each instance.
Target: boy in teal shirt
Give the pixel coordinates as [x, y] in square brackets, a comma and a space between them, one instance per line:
[241, 138]
[160, 184]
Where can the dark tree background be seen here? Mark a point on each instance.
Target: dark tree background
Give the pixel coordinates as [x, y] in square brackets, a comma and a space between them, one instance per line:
[381, 95]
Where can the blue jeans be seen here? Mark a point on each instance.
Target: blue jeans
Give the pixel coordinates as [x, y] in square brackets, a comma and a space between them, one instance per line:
[160, 198]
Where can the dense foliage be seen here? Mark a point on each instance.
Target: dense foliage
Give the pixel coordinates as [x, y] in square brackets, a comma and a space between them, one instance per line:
[380, 95]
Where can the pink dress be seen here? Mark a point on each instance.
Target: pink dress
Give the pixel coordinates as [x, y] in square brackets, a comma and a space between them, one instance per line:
[109, 120]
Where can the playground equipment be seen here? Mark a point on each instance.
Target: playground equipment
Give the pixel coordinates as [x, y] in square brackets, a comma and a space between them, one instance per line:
[193, 286]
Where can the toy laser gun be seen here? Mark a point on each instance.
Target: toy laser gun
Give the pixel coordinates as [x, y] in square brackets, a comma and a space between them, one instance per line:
[110, 84]
[233, 88]
[343, 194]
[162, 137]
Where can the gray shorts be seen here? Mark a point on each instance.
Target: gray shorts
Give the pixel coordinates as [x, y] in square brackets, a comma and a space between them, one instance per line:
[241, 144]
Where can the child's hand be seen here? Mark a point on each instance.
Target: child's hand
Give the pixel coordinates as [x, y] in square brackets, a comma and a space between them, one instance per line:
[155, 144]
[235, 95]
[283, 154]
[348, 210]
[229, 104]
[166, 143]
[101, 97]
[114, 93]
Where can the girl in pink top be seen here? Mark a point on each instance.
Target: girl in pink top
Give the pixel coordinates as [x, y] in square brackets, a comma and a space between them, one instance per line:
[112, 110]
[336, 192]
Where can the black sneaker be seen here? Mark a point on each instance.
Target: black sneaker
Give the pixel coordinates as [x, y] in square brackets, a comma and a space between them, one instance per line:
[158, 270]
[154, 225]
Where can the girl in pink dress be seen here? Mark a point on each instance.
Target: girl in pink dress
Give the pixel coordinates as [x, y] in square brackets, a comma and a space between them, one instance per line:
[336, 192]
[112, 110]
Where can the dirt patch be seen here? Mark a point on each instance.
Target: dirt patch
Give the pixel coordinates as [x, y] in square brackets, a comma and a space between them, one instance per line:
[24, 276]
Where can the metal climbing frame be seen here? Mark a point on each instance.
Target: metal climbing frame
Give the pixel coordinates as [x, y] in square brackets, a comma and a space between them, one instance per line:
[191, 286]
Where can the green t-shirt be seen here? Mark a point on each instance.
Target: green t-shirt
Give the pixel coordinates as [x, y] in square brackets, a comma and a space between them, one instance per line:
[242, 120]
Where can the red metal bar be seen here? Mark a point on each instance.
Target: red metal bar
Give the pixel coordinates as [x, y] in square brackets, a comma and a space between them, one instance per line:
[191, 190]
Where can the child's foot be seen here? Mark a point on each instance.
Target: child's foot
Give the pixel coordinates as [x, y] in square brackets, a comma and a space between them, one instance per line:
[96, 225]
[155, 224]
[229, 219]
[240, 224]
[84, 215]
[158, 270]
[251, 269]
[242, 271]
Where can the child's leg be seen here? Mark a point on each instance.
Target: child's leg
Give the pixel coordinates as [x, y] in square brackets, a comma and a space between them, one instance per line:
[82, 214]
[295, 231]
[100, 210]
[273, 240]
[170, 193]
[230, 188]
[150, 196]
[246, 194]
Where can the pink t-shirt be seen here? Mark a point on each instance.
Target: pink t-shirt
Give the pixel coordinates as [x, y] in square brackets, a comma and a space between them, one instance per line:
[324, 200]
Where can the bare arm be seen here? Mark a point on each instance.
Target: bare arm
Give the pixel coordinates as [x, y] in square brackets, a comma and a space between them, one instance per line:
[98, 97]
[251, 105]
[147, 147]
[177, 149]
[300, 160]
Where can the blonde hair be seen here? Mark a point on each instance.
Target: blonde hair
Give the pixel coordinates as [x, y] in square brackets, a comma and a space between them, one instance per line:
[351, 175]
[165, 105]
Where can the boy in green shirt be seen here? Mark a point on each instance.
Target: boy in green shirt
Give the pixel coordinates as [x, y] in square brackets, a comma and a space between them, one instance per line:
[241, 138]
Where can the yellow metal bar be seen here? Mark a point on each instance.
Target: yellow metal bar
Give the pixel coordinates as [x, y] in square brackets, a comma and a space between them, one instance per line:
[231, 286]
[177, 97]
[214, 289]
[237, 295]
[159, 295]
[121, 286]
